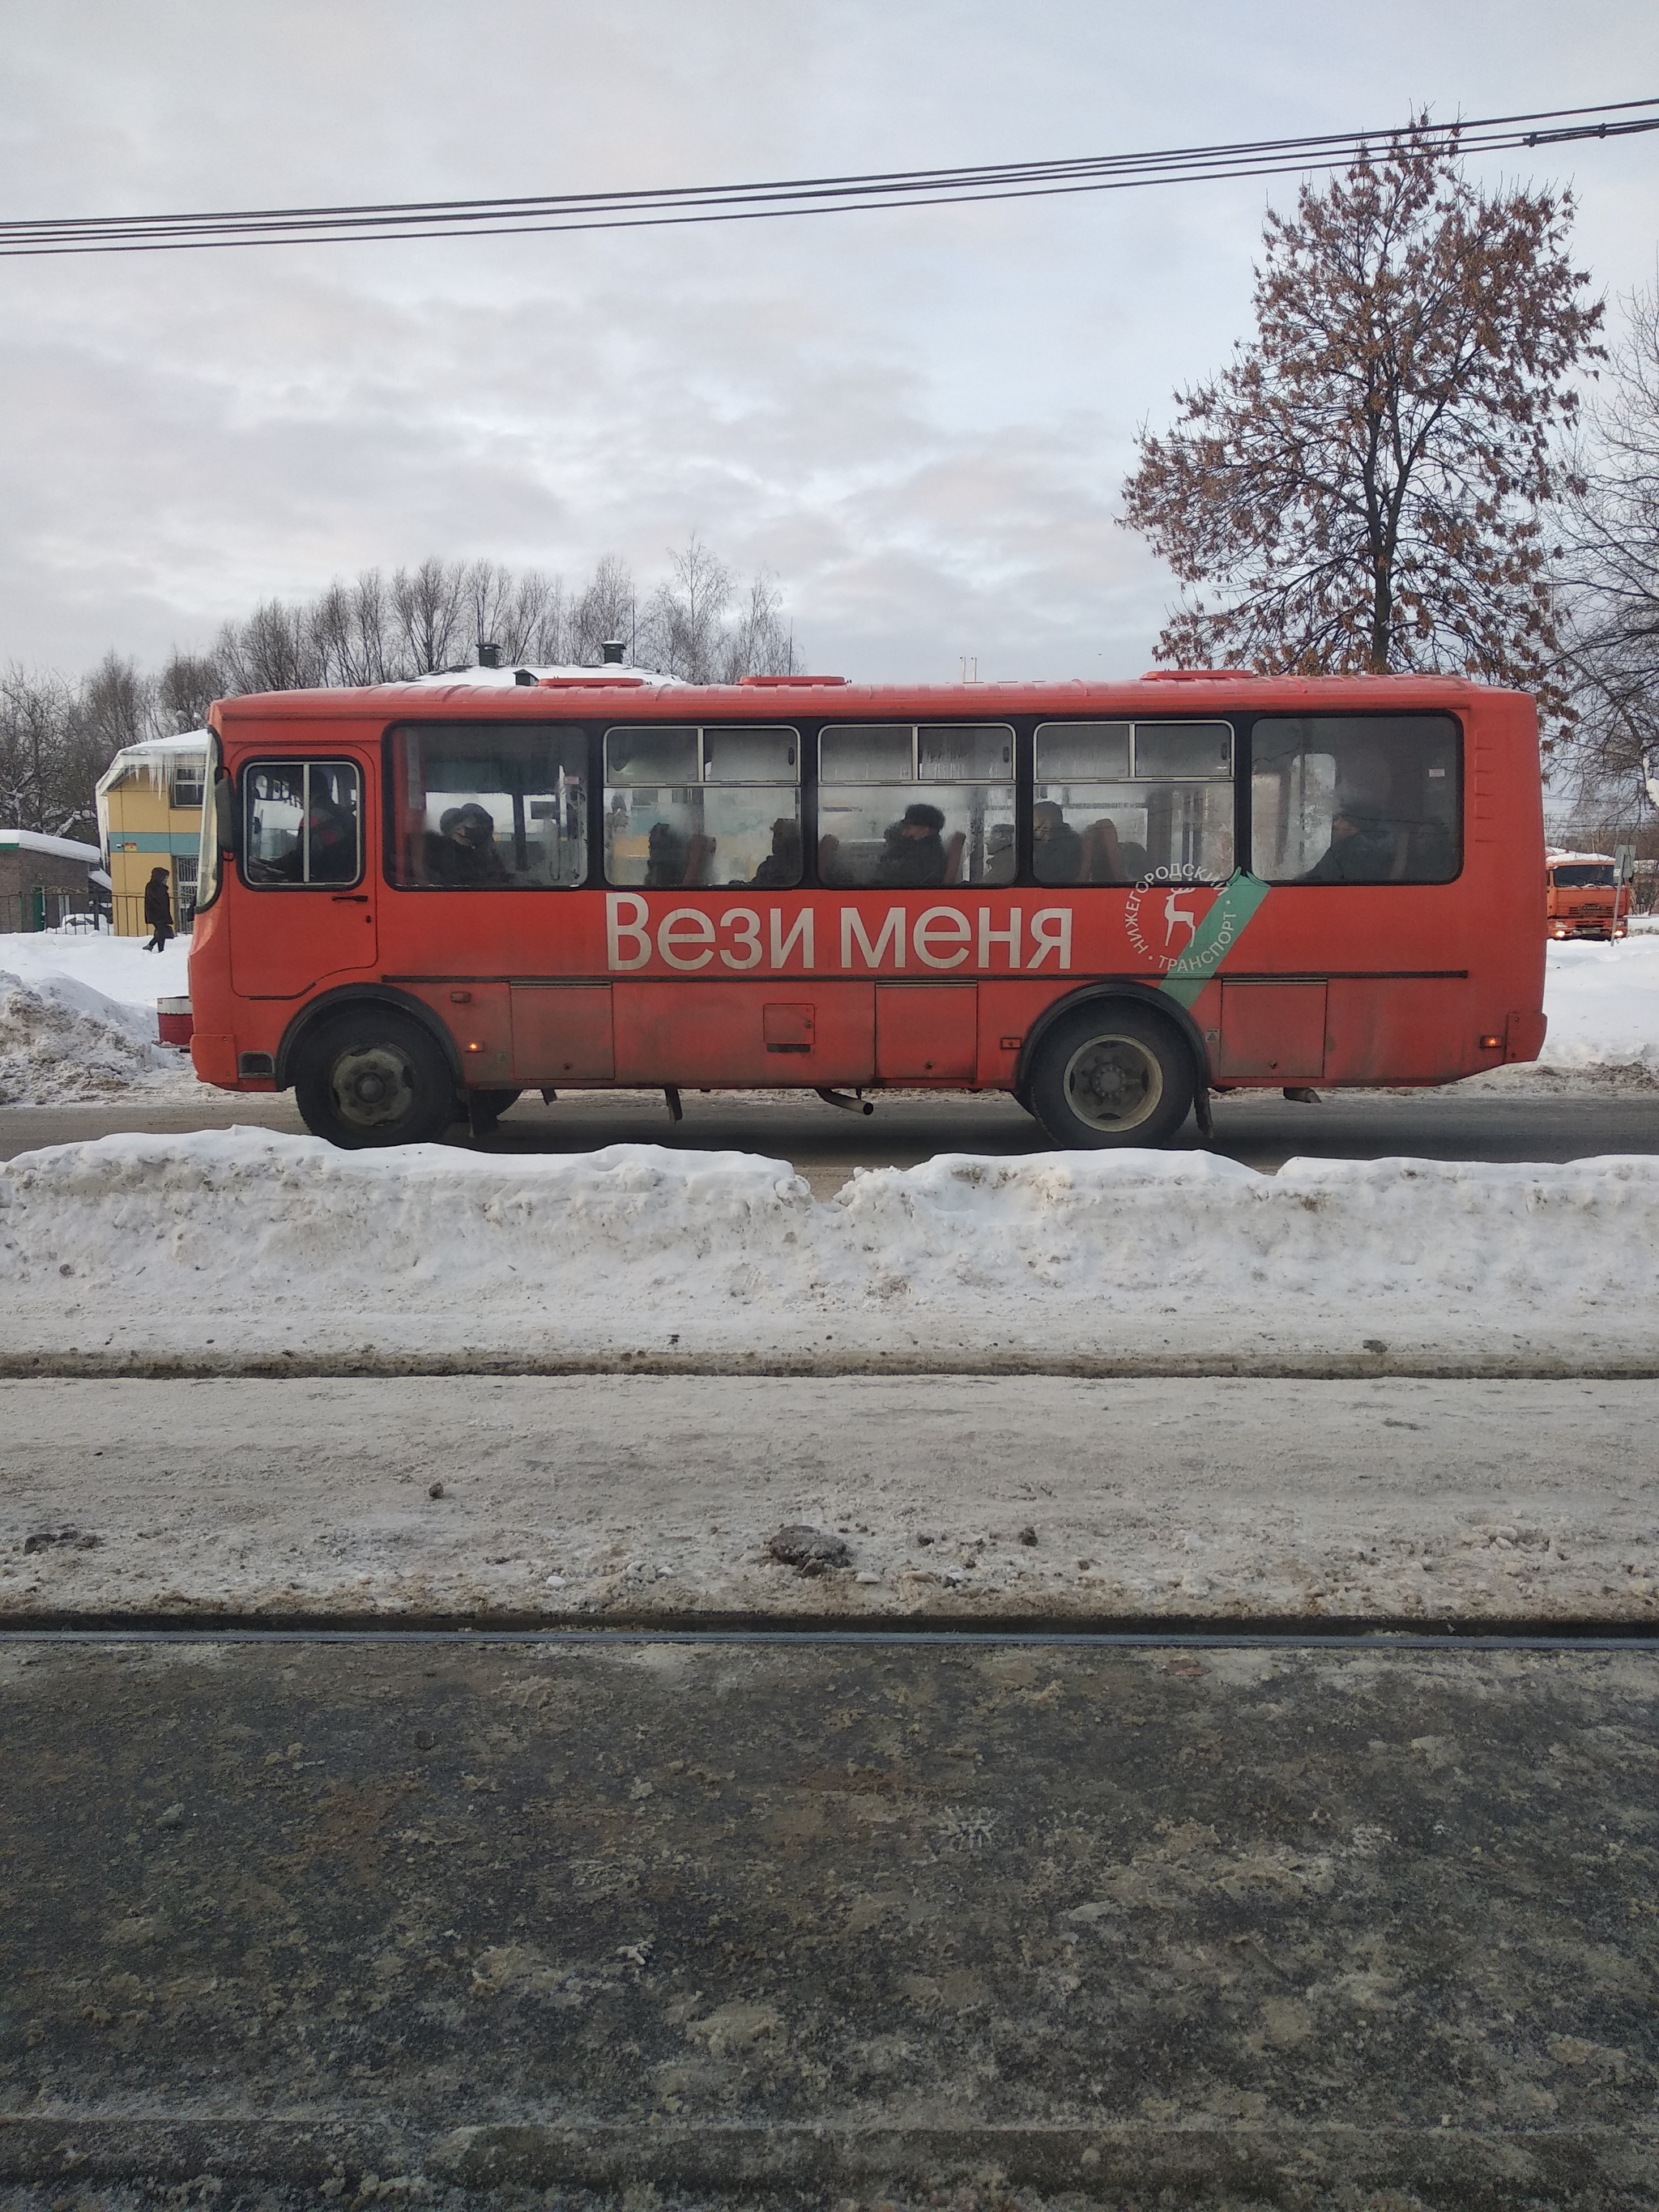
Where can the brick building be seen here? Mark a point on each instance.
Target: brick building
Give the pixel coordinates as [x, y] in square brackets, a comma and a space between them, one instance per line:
[44, 881]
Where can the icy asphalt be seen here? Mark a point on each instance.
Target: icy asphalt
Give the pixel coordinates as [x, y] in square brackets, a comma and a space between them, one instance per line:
[995, 1930]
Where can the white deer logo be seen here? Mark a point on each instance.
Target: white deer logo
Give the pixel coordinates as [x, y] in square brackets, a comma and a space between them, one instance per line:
[1174, 912]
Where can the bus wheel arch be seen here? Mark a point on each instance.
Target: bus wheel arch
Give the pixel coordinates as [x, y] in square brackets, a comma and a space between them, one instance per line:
[354, 997]
[368, 1073]
[1112, 1065]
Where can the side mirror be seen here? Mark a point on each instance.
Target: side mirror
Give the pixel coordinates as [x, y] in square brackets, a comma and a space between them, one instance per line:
[224, 815]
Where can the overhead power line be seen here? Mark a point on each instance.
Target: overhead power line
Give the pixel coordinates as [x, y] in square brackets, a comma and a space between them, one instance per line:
[651, 209]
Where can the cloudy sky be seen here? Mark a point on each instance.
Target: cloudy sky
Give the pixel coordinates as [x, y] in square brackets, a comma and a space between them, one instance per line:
[918, 420]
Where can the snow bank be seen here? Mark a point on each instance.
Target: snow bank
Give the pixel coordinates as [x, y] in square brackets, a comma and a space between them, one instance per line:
[77, 1017]
[1602, 1001]
[244, 1245]
[116, 968]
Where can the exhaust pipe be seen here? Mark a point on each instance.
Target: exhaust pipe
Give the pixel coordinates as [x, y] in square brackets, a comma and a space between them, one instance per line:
[859, 1104]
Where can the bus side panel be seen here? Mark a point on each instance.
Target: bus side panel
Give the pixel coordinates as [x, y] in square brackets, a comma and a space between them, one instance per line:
[720, 1034]
[926, 1032]
[1006, 1011]
[476, 1015]
[1383, 1031]
[1272, 1032]
[562, 1033]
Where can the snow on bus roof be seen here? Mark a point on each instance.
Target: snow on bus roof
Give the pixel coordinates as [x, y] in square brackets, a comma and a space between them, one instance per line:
[521, 674]
[1602, 859]
[644, 692]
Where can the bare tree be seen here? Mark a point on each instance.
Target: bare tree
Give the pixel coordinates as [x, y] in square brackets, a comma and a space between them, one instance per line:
[350, 631]
[186, 687]
[1609, 572]
[56, 737]
[276, 649]
[429, 610]
[760, 643]
[685, 620]
[33, 710]
[607, 608]
[1365, 483]
[491, 592]
[117, 706]
[539, 625]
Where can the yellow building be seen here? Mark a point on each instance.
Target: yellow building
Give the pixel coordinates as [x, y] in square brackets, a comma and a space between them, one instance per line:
[149, 816]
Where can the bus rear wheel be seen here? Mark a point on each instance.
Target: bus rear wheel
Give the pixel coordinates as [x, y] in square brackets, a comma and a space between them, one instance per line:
[374, 1077]
[1111, 1074]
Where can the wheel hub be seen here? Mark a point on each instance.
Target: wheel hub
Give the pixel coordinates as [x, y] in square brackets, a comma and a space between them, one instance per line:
[1113, 1083]
[373, 1086]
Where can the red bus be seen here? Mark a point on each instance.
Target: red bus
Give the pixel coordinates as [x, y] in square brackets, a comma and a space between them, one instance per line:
[1110, 900]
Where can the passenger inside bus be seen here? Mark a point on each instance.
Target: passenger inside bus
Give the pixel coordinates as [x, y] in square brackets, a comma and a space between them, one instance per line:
[1056, 847]
[1107, 858]
[1367, 846]
[781, 866]
[463, 852]
[1343, 799]
[998, 853]
[667, 855]
[912, 849]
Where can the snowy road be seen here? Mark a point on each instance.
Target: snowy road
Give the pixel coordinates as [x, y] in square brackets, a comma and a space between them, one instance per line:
[643, 1498]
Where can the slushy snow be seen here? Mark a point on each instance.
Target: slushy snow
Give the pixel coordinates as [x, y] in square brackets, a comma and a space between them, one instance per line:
[652, 1497]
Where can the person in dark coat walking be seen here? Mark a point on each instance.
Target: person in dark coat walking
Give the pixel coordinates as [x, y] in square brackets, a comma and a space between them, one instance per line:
[158, 911]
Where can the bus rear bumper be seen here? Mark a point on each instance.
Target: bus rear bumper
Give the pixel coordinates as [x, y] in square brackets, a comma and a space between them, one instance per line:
[1524, 1037]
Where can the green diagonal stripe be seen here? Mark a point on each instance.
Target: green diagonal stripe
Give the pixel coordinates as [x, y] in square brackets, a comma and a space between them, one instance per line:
[1217, 933]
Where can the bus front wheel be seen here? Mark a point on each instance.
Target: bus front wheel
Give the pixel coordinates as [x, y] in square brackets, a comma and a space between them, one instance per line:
[1111, 1074]
[374, 1077]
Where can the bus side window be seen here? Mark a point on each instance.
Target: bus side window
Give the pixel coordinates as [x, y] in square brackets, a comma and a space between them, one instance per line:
[487, 805]
[1355, 798]
[906, 806]
[1119, 802]
[301, 824]
[700, 808]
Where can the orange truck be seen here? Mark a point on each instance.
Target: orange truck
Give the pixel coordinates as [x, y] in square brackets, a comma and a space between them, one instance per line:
[1584, 897]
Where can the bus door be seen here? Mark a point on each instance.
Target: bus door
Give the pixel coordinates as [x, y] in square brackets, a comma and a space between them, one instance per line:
[310, 903]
